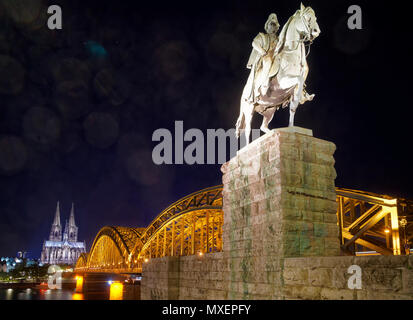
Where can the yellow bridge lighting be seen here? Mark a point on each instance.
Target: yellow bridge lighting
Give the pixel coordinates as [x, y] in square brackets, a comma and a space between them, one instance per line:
[193, 225]
[79, 284]
[116, 291]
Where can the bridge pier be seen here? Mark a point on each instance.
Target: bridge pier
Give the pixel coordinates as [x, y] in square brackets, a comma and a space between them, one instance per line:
[101, 285]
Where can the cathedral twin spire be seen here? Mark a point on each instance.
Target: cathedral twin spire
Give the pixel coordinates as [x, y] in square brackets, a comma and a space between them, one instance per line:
[57, 215]
[70, 232]
[62, 247]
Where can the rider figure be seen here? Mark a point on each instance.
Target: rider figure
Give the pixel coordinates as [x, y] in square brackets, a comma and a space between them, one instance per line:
[261, 59]
[264, 64]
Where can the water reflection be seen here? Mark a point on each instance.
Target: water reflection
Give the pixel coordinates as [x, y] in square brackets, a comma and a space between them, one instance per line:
[77, 296]
[9, 294]
[42, 294]
[25, 294]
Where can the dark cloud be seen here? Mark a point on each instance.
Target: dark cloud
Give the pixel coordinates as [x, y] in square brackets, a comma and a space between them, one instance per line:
[13, 155]
[101, 129]
[12, 75]
[41, 125]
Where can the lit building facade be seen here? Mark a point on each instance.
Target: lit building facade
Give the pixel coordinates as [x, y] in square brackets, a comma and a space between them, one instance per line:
[62, 248]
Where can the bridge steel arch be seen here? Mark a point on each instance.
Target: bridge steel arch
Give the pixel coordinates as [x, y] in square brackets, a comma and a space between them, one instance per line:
[110, 251]
[193, 225]
[190, 232]
[81, 262]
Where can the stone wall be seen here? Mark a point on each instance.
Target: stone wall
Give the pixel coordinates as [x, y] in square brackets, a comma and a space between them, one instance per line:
[309, 278]
[280, 234]
[188, 277]
[383, 278]
[160, 279]
[202, 279]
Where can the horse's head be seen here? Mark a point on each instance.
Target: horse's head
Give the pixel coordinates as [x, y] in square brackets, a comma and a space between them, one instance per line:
[307, 24]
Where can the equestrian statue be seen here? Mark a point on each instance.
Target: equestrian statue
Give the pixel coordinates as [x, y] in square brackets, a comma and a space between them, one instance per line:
[278, 69]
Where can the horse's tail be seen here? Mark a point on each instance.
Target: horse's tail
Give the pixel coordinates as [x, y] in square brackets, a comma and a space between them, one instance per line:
[240, 124]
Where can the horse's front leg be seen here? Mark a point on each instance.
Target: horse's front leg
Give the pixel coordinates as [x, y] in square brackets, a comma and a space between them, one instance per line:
[248, 110]
[267, 117]
[295, 100]
[293, 108]
[305, 95]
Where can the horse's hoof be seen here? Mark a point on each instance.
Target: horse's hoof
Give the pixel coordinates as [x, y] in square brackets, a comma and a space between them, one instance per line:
[266, 130]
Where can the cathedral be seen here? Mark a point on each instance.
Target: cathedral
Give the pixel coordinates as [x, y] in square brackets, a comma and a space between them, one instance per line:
[66, 249]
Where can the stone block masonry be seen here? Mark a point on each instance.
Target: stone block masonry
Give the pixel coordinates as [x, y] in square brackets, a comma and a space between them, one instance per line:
[280, 234]
[279, 201]
[305, 278]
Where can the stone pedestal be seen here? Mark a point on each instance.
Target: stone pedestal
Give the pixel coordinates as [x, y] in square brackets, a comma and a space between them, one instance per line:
[279, 201]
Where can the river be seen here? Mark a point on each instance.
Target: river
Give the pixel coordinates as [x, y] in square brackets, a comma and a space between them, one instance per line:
[43, 294]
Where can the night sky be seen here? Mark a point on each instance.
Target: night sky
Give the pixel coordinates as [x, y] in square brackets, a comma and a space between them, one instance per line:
[78, 106]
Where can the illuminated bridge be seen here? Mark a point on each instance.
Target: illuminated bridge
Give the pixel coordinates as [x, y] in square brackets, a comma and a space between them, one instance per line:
[369, 224]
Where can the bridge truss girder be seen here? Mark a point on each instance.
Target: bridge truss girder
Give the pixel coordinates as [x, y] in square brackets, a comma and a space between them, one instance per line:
[372, 221]
[192, 232]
